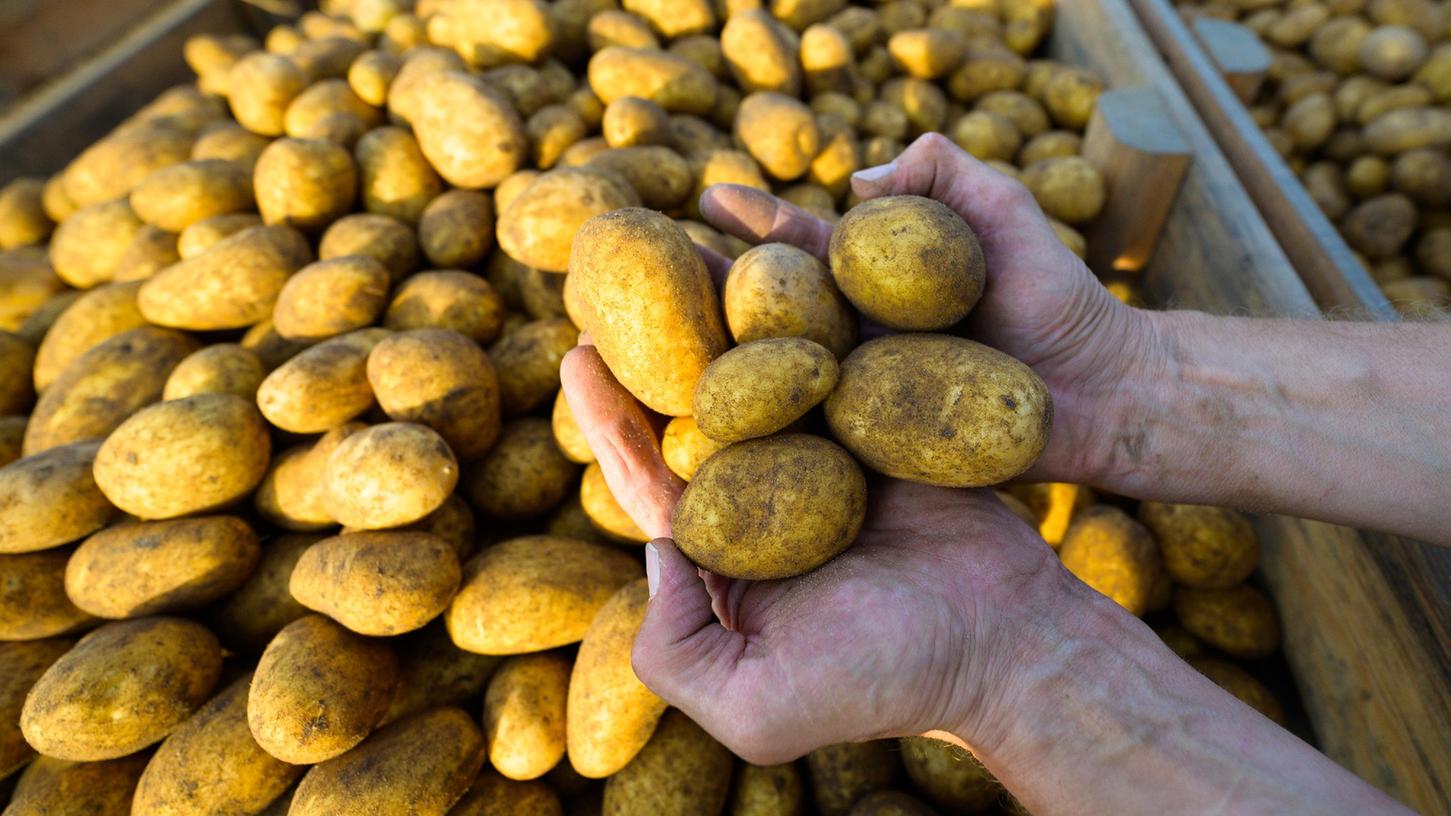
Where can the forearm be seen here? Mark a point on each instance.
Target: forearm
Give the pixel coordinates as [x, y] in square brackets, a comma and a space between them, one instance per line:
[1345, 422]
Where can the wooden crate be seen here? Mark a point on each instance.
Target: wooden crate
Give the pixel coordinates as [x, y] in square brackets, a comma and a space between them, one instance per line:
[1367, 617]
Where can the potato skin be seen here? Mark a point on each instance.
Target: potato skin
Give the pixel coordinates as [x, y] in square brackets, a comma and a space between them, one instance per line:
[123, 687]
[844, 773]
[778, 290]
[890, 803]
[524, 714]
[149, 568]
[322, 387]
[661, 176]
[538, 227]
[1068, 188]
[396, 179]
[908, 263]
[233, 284]
[495, 795]
[290, 495]
[33, 603]
[948, 775]
[387, 240]
[96, 316]
[654, 318]
[55, 787]
[993, 433]
[249, 618]
[305, 183]
[22, 217]
[604, 511]
[1203, 547]
[260, 86]
[670, 81]
[330, 297]
[179, 195]
[684, 447]
[184, 456]
[681, 771]
[761, 387]
[380, 584]
[51, 498]
[21, 664]
[318, 690]
[434, 672]
[441, 379]
[768, 790]
[458, 116]
[780, 132]
[1114, 554]
[505, 587]
[461, 301]
[522, 476]
[527, 361]
[456, 229]
[211, 764]
[1240, 620]
[87, 246]
[224, 368]
[388, 475]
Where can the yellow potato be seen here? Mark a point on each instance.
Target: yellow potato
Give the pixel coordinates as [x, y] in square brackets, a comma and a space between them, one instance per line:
[948, 775]
[890, 803]
[22, 216]
[388, 475]
[524, 714]
[468, 130]
[330, 297]
[682, 770]
[845, 773]
[552, 130]
[179, 195]
[87, 246]
[231, 142]
[1424, 175]
[233, 284]
[621, 28]
[152, 250]
[768, 790]
[604, 511]
[225, 368]
[290, 495]
[779, 132]
[326, 54]
[1113, 554]
[370, 75]
[123, 687]
[928, 53]
[112, 167]
[1392, 52]
[985, 71]
[630, 121]
[567, 434]
[527, 360]
[21, 664]
[55, 786]
[761, 387]
[456, 229]
[184, 456]
[777, 290]
[684, 447]
[488, 34]
[33, 603]
[988, 136]
[441, 379]
[1203, 547]
[1071, 95]
[26, 284]
[670, 81]
[1240, 620]
[435, 672]
[319, 690]
[384, 238]
[249, 618]
[396, 179]
[305, 183]
[1050, 144]
[1053, 506]
[1068, 188]
[405, 98]
[495, 795]
[1241, 684]
[260, 86]
[522, 476]
[325, 98]
[760, 55]
[454, 300]
[534, 593]
[197, 238]
[771, 508]
[539, 225]
[378, 583]
[322, 387]
[1398, 131]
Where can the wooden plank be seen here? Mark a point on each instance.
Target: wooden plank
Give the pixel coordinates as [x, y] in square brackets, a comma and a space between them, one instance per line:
[40, 40]
[1239, 55]
[1338, 282]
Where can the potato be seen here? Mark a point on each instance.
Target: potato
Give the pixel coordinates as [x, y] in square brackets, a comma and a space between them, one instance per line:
[184, 456]
[1053, 506]
[1241, 684]
[907, 262]
[553, 129]
[1240, 620]
[447, 300]
[179, 195]
[12, 434]
[1392, 133]
[322, 387]
[762, 387]
[630, 121]
[682, 770]
[1114, 555]
[495, 795]
[211, 764]
[435, 672]
[232, 142]
[388, 475]
[1202, 547]
[928, 53]
[1050, 144]
[306, 114]
[249, 618]
[112, 167]
[505, 588]
[260, 86]
[305, 183]
[103, 386]
[1424, 175]
[986, 135]
[539, 225]
[604, 511]
[459, 115]
[685, 447]
[441, 379]
[225, 368]
[199, 237]
[150, 251]
[290, 495]
[21, 664]
[1310, 122]
[1367, 177]
[620, 28]
[768, 790]
[1419, 298]
[233, 284]
[17, 358]
[396, 179]
[122, 688]
[988, 70]
[54, 787]
[1433, 252]
[527, 360]
[456, 229]
[670, 81]
[884, 119]
[132, 570]
[780, 132]
[378, 583]
[489, 34]
[33, 603]
[891, 803]
[1435, 73]
[1070, 96]
[777, 290]
[1067, 188]
[658, 326]
[567, 435]
[1385, 100]
[845, 773]
[1326, 185]
[733, 517]
[27, 283]
[991, 433]
[330, 297]
[1392, 52]
[759, 53]
[22, 216]
[948, 775]
[1378, 227]
[87, 246]
[319, 690]
[370, 75]
[522, 476]
[327, 55]
[829, 64]
[524, 714]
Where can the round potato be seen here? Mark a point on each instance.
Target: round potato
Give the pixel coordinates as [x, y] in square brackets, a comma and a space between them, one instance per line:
[456, 229]
[33, 602]
[87, 246]
[777, 290]
[322, 387]
[179, 195]
[305, 183]
[988, 136]
[949, 775]
[534, 593]
[384, 238]
[454, 300]
[388, 475]
[768, 790]
[681, 770]
[322, 99]
[249, 618]
[685, 447]
[630, 121]
[123, 687]
[527, 360]
[330, 297]
[260, 86]
[761, 387]
[380, 584]
[1070, 96]
[1240, 620]
[992, 432]
[604, 511]
[1113, 554]
[539, 226]
[1203, 547]
[184, 456]
[1392, 52]
[468, 130]
[1050, 144]
[493, 794]
[233, 284]
[1378, 227]
[771, 508]
[524, 714]
[1067, 188]
[225, 368]
[845, 773]
[55, 786]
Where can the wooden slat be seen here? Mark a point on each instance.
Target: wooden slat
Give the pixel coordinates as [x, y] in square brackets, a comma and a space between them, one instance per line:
[40, 40]
[1238, 54]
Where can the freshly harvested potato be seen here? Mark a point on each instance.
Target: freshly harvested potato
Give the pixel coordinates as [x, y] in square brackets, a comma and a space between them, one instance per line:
[454, 300]
[771, 508]
[405, 98]
[456, 229]
[523, 475]
[199, 237]
[524, 714]
[487, 34]
[305, 183]
[225, 368]
[326, 54]
[22, 216]
[778, 131]
[761, 387]
[326, 98]
[55, 786]
[87, 247]
[179, 195]
[630, 121]
[527, 360]
[1202, 547]
[843, 774]
[1240, 620]
[993, 432]
[682, 770]
[538, 227]
[778, 290]
[685, 447]
[21, 664]
[988, 70]
[496, 795]
[327, 298]
[231, 142]
[441, 379]
[388, 475]
[27, 283]
[319, 690]
[1052, 506]
[33, 603]
[123, 687]
[1067, 188]
[468, 130]
[670, 81]
[761, 56]
[396, 179]
[233, 284]
[891, 803]
[498, 610]
[322, 387]
[1071, 95]
[928, 53]
[103, 386]
[260, 86]
[1378, 227]
[948, 775]
[1050, 144]
[211, 764]
[552, 130]
[604, 511]
[184, 456]
[988, 136]
[1392, 52]
[152, 250]
[422, 765]
[1241, 684]
[249, 618]
[12, 434]
[1424, 175]
[291, 494]
[378, 583]
[149, 568]
[370, 75]
[569, 520]
[907, 262]
[768, 790]
[567, 434]
[112, 167]
[655, 318]
[1394, 132]
[1114, 555]
[434, 672]
[614, 26]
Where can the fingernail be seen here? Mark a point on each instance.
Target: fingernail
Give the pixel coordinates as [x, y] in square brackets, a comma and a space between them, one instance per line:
[652, 568]
[877, 173]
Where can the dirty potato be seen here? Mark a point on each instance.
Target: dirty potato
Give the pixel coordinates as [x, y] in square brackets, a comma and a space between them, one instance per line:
[388, 475]
[538, 227]
[231, 285]
[524, 714]
[377, 583]
[682, 770]
[1203, 547]
[224, 368]
[1240, 620]
[322, 387]
[33, 602]
[778, 290]
[761, 387]
[460, 301]
[327, 298]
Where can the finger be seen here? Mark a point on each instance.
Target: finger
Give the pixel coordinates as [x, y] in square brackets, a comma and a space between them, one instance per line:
[623, 440]
[757, 217]
[716, 264]
[678, 645]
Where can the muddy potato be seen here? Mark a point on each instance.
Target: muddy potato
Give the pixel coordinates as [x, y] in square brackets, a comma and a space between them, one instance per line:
[33, 603]
[433, 672]
[1068, 188]
[907, 262]
[522, 476]
[670, 81]
[395, 178]
[762, 387]
[316, 666]
[87, 246]
[441, 379]
[1202, 547]
[458, 116]
[291, 493]
[305, 183]
[777, 290]
[843, 774]
[388, 475]
[456, 229]
[22, 216]
[524, 714]
[330, 297]
[197, 238]
[496, 795]
[685, 447]
[534, 593]
[948, 775]
[1402, 130]
[539, 225]
[249, 618]
[768, 790]
[50, 498]
[105, 385]
[179, 195]
[51, 787]
[322, 387]
[233, 284]
[453, 300]
[682, 770]
[1380, 226]
[1240, 620]
[771, 508]
[21, 664]
[378, 583]
[993, 433]
[604, 511]
[122, 688]
[527, 360]
[1241, 684]
[1114, 555]
[260, 86]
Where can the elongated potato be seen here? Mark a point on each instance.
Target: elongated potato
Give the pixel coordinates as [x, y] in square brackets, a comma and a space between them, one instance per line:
[761, 387]
[319, 690]
[388, 475]
[456, 229]
[379, 583]
[225, 368]
[123, 687]
[654, 318]
[434, 672]
[260, 86]
[948, 775]
[322, 387]
[538, 227]
[305, 183]
[661, 176]
[670, 81]
[154, 567]
[760, 55]
[211, 764]
[152, 250]
[327, 298]
[21, 664]
[51, 498]
[87, 247]
[493, 794]
[779, 132]
[534, 593]
[249, 618]
[845, 773]
[199, 237]
[383, 238]
[524, 714]
[112, 167]
[441, 379]
[468, 130]
[396, 179]
[778, 290]
[96, 316]
[55, 786]
[1114, 554]
[682, 770]
[179, 195]
[610, 714]
[233, 284]
[33, 603]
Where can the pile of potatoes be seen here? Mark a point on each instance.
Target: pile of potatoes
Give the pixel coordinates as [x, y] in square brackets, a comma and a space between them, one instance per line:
[1358, 101]
[293, 518]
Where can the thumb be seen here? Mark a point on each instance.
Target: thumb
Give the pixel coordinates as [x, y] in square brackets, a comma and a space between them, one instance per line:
[679, 647]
